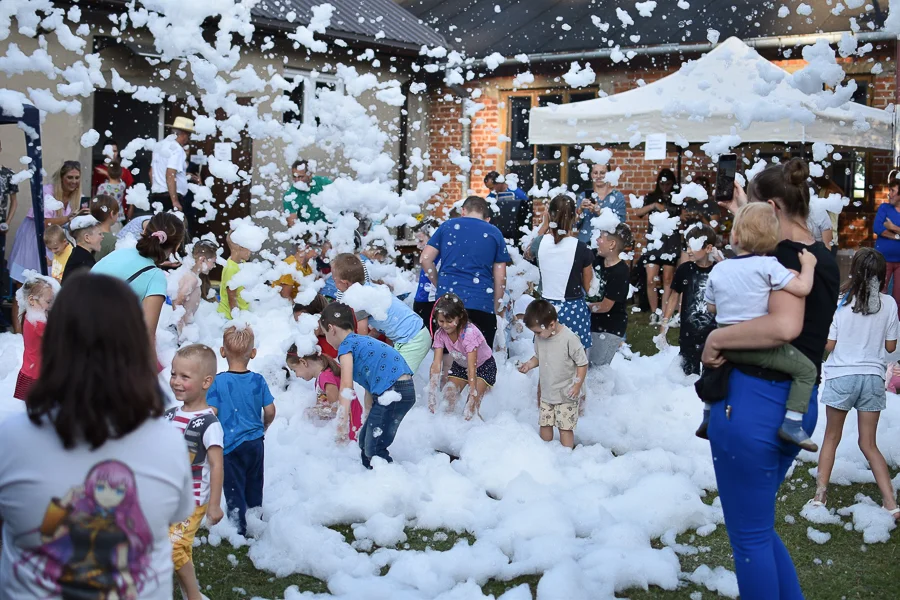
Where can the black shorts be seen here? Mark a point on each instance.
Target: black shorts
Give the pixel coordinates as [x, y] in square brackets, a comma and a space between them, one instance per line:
[487, 372]
[668, 254]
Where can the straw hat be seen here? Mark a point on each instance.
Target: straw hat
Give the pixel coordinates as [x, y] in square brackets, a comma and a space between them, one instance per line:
[183, 123]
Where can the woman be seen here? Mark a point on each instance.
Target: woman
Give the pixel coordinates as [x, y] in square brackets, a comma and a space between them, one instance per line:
[749, 460]
[86, 509]
[566, 266]
[142, 266]
[591, 203]
[100, 174]
[666, 256]
[887, 227]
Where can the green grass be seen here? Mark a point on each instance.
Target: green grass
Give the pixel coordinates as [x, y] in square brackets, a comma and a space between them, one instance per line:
[843, 568]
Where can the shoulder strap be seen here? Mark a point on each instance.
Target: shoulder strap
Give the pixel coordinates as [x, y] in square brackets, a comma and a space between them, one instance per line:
[139, 273]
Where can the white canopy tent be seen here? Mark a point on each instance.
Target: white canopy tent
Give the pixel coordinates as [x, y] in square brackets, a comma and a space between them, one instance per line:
[729, 91]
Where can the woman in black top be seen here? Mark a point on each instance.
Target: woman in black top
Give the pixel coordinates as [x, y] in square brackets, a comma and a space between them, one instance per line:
[749, 459]
[666, 256]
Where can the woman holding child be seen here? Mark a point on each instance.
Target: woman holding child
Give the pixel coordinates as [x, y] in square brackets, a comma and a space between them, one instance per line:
[749, 458]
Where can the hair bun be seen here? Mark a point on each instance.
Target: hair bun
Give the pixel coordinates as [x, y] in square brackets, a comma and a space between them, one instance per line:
[796, 172]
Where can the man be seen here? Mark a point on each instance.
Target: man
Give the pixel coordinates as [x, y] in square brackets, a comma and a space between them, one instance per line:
[513, 208]
[473, 264]
[298, 199]
[167, 167]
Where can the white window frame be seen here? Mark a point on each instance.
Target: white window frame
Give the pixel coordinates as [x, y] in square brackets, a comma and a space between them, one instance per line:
[310, 78]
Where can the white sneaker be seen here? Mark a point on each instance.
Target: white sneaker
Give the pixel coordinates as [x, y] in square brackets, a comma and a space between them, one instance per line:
[675, 321]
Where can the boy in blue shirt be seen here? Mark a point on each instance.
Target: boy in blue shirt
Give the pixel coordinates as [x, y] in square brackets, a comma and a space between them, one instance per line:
[380, 370]
[245, 408]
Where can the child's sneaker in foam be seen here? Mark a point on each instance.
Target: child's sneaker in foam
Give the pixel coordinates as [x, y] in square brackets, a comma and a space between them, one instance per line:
[792, 431]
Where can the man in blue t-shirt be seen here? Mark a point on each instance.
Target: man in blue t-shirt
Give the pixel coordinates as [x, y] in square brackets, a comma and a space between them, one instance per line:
[473, 264]
[512, 208]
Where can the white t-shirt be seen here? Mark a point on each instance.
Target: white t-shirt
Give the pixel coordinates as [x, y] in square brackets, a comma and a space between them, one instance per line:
[79, 517]
[212, 435]
[817, 222]
[860, 340]
[169, 155]
[740, 287]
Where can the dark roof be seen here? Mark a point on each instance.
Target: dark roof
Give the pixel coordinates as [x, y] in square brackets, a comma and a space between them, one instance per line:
[356, 19]
[536, 26]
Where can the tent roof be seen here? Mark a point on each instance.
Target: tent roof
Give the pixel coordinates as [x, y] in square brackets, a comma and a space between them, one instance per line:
[730, 90]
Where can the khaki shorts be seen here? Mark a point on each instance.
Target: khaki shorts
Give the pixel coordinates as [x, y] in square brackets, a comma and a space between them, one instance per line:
[182, 537]
[563, 416]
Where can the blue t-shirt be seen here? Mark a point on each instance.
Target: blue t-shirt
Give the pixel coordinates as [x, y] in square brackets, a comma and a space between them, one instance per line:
[124, 263]
[426, 292]
[614, 200]
[401, 324]
[376, 366]
[890, 248]
[239, 398]
[469, 247]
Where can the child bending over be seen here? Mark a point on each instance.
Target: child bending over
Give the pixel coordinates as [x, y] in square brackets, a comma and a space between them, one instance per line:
[327, 374]
[316, 307]
[231, 298]
[36, 296]
[563, 367]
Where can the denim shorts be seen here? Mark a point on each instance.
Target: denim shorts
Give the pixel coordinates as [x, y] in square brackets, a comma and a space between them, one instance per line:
[863, 392]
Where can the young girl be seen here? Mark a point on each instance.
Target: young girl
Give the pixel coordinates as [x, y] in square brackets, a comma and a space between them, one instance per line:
[864, 326]
[327, 373]
[36, 295]
[316, 307]
[467, 345]
[194, 283]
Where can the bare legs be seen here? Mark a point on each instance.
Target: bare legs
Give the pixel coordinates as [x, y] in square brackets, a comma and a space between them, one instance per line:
[668, 274]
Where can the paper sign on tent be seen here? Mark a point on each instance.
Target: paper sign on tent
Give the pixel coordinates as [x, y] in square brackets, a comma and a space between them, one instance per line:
[655, 146]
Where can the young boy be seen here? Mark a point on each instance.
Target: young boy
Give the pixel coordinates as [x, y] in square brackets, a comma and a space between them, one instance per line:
[303, 261]
[608, 316]
[690, 283]
[190, 286]
[564, 365]
[231, 298]
[239, 396]
[86, 231]
[115, 187]
[402, 326]
[380, 370]
[193, 371]
[56, 242]
[105, 209]
[738, 290]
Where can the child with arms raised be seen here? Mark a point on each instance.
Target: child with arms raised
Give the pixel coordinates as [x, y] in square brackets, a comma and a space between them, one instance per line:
[231, 298]
[86, 231]
[738, 290]
[563, 366]
[105, 209]
[327, 373]
[239, 397]
[473, 362]
[607, 304]
[380, 370]
[36, 296]
[193, 371]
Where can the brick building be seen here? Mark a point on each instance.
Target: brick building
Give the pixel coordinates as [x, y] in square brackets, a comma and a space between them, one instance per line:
[554, 36]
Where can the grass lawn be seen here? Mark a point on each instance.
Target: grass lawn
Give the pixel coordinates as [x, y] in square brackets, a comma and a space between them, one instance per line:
[843, 568]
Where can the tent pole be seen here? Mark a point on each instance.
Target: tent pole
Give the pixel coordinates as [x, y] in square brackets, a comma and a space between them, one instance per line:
[678, 165]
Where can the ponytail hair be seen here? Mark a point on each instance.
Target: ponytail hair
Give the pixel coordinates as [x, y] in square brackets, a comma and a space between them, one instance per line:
[786, 181]
[561, 212]
[161, 238]
[292, 359]
[868, 273]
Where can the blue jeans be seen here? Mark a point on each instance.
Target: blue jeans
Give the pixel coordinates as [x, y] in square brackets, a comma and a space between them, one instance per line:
[383, 421]
[750, 463]
[243, 485]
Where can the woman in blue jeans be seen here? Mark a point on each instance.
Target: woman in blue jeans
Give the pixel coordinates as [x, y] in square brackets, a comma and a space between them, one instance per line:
[750, 460]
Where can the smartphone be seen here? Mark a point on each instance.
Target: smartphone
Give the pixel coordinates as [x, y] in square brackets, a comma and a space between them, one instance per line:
[725, 177]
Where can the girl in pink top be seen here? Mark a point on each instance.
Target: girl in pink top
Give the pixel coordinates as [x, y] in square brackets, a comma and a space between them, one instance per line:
[473, 361]
[327, 373]
[36, 295]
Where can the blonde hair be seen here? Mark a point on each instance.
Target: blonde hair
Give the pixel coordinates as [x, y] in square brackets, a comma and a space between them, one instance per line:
[238, 343]
[203, 355]
[55, 234]
[756, 228]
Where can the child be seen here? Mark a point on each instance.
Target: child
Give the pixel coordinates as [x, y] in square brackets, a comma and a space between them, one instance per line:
[327, 373]
[86, 231]
[607, 303]
[690, 283]
[892, 378]
[564, 363]
[231, 298]
[738, 290]
[403, 327]
[467, 345]
[105, 209]
[56, 242]
[239, 396]
[191, 284]
[426, 292]
[36, 295]
[381, 371]
[315, 308]
[114, 187]
[865, 325]
[303, 260]
[193, 372]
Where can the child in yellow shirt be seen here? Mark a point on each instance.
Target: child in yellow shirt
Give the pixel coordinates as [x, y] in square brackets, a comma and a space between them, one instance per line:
[303, 259]
[231, 298]
[56, 242]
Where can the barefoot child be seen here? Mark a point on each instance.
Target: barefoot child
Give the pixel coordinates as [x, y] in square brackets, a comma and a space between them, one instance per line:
[563, 366]
[36, 295]
[193, 371]
[738, 290]
[473, 362]
[105, 209]
[380, 370]
[231, 298]
[56, 242]
[86, 231]
[609, 319]
[239, 397]
[327, 373]
[191, 284]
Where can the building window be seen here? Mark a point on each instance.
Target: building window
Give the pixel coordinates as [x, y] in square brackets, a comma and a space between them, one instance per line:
[556, 165]
[307, 84]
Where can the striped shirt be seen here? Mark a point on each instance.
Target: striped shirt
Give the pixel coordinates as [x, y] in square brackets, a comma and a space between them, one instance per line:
[201, 430]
